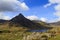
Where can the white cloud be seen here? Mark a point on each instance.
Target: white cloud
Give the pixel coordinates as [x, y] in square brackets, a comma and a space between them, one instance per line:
[47, 5]
[33, 17]
[2, 16]
[43, 19]
[12, 5]
[57, 13]
[23, 6]
[6, 18]
[56, 7]
[55, 20]
[54, 1]
[58, 19]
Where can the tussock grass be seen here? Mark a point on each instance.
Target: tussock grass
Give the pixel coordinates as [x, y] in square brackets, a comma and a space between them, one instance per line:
[19, 33]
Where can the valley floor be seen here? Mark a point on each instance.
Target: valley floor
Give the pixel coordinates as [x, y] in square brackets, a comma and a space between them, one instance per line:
[29, 36]
[17, 34]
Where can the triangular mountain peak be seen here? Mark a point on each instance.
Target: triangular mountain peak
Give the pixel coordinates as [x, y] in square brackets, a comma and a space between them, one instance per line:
[21, 20]
[20, 15]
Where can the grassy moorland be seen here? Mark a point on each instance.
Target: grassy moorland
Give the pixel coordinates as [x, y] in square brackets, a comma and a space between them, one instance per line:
[57, 33]
[19, 33]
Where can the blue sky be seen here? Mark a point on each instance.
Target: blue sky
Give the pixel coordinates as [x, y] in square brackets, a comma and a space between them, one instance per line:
[35, 3]
[37, 8]
[31, 8]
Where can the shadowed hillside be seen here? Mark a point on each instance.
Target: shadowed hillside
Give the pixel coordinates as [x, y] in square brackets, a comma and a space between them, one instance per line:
[20, 20]
[3, 21]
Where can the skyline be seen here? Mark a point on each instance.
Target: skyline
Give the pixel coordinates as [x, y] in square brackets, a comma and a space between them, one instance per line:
[45, 10]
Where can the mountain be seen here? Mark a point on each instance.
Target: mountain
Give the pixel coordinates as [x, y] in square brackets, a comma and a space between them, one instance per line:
[37, 21]
[56, 24]
[3, 21]
[20, 20]
[41, 22]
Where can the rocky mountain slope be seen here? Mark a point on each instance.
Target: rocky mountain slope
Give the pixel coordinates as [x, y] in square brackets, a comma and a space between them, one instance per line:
[21, 21]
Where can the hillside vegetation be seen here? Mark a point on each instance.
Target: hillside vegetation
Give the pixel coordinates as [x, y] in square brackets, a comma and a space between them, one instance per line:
[17, 33]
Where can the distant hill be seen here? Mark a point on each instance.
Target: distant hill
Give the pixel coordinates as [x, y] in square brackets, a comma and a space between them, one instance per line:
[41, 22]
[3, 21]
[56, 24]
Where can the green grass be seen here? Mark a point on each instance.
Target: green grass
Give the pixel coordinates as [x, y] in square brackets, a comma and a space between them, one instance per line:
[10, 36]
[13, 33]
[18, 35]
[55, 38]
